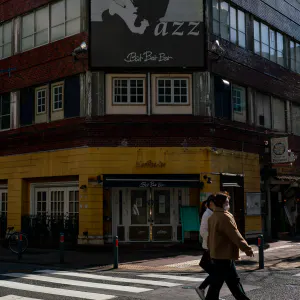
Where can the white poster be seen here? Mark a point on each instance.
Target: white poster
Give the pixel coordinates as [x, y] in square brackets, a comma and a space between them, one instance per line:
[161, 204]
[253, 204]
[280, 150]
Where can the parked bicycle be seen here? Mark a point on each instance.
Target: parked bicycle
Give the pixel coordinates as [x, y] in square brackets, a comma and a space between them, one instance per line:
[11, 240]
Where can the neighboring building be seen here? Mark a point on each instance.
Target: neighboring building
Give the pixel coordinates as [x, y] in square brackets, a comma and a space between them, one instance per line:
[156, 116]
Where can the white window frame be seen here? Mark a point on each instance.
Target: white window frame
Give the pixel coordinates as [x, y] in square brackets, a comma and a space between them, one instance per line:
[48, 188]
[187, 80]
[5, 191]
[128, 80]
[237, 29]
[53, 87]
[37, 91]
[2, 42]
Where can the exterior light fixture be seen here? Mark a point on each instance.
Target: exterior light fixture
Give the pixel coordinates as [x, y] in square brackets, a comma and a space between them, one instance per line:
[226, 82]
[81, 49]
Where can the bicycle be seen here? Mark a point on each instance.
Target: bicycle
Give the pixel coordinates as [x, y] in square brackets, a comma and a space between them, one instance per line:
[11, 240]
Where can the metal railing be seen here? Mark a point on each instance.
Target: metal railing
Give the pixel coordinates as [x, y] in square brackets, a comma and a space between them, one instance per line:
[43, 231]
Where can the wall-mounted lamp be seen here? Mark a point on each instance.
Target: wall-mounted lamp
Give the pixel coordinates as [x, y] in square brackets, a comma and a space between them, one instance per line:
[226, 82]
[217, 48]
[81, 49]
[83, 187]
[208, 179]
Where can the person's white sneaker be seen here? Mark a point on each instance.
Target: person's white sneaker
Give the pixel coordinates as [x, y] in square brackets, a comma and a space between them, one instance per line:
[201, 293]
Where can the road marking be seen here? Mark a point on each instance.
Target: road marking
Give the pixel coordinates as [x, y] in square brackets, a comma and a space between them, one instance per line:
[297, 275]
[14, 297]
[180, 278]
[130, 289]
[53, 291]
[110, 278]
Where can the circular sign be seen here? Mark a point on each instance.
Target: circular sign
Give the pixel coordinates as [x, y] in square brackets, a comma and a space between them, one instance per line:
[279, 148]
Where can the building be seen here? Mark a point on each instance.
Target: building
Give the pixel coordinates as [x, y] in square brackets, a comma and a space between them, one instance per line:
[173, 101]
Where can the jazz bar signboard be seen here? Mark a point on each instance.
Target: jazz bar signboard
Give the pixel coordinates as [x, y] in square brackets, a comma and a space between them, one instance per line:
[147, 33]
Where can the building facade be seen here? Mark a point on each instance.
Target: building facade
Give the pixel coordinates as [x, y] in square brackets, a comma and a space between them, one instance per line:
[172, 102]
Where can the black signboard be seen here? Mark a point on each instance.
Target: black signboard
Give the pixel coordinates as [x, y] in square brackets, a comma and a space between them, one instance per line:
[147, 33]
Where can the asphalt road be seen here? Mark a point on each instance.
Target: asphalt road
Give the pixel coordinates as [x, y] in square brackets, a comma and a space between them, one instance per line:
[29, 282]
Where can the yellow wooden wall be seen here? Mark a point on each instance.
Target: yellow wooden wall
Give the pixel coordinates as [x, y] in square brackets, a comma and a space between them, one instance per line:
[90, 162]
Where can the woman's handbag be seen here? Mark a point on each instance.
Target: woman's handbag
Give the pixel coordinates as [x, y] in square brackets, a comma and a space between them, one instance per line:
[205, 261]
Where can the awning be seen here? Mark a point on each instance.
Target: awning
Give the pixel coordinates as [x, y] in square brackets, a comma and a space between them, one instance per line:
[148, 180]
[231, 180]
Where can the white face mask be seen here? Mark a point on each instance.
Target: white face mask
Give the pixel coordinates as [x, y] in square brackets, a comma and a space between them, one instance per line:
[226, 207]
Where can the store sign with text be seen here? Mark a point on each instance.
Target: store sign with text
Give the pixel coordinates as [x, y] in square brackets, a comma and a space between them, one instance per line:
[280, 150]
[147, 33]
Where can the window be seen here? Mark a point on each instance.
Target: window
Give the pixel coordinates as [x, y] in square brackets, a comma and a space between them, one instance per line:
[35, 27]
[56, 202]
[128, 91]
[57, 96]
[295, 56]
[296, 119]
[239, 103]
[4, 111]
[3, 202]
[268, 43]
[41, 100]
[65, 19]
[263, 110]
[5, 40]
[172, 91]
[278, 113]
[229, 23]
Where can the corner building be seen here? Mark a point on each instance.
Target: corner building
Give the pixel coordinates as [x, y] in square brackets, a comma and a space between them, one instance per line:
[152, 118]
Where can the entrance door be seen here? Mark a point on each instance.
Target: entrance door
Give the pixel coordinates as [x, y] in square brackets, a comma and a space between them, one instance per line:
[162, 229]
[139, 229]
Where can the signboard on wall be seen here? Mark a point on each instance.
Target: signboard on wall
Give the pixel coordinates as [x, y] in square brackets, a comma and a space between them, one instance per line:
[147, 33]
[280, 150]
[253, 202]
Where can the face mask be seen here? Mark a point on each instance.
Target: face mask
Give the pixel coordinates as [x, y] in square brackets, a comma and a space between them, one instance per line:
[226, 207]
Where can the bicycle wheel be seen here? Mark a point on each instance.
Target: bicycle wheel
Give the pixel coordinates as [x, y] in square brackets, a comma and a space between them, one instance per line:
[14, 242]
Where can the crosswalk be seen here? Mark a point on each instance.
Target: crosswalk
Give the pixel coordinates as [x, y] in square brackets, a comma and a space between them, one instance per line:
[54, 283]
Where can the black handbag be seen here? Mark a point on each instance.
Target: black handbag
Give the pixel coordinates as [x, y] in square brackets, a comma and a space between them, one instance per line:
[205, 261]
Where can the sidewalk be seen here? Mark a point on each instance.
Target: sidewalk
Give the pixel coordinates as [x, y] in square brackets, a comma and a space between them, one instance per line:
[279, 255]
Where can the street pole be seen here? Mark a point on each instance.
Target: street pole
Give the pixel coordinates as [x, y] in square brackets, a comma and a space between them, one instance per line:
[62, 247]
[20, 240]
[116, 252]
[261, 251]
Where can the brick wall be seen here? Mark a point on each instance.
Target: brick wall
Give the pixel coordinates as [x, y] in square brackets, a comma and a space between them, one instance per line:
[12, 8]
[43, 64]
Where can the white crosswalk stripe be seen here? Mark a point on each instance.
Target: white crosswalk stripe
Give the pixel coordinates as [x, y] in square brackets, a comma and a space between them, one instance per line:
[297, 275]
[84, 285]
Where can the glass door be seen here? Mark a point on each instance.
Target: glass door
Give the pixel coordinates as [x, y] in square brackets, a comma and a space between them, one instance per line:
[139, 229]
[162, 229]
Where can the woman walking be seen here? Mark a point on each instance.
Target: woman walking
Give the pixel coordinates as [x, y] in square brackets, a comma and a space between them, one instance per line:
[205, 263]
[224, 242]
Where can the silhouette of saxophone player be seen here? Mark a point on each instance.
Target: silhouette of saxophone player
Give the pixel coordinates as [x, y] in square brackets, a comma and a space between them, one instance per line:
[139, 15]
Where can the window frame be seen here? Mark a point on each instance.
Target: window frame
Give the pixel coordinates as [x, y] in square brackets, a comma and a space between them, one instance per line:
[242, 112]
[128, 79]
[1, 116]
[37, 90]
[237, 29]
[49, 25]
[295, 58]
[2, 43]
[67, 187]
[294, 108]
[3, 191]
[65, 21]
[172, 103]
[54, 86]
[276, 33]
